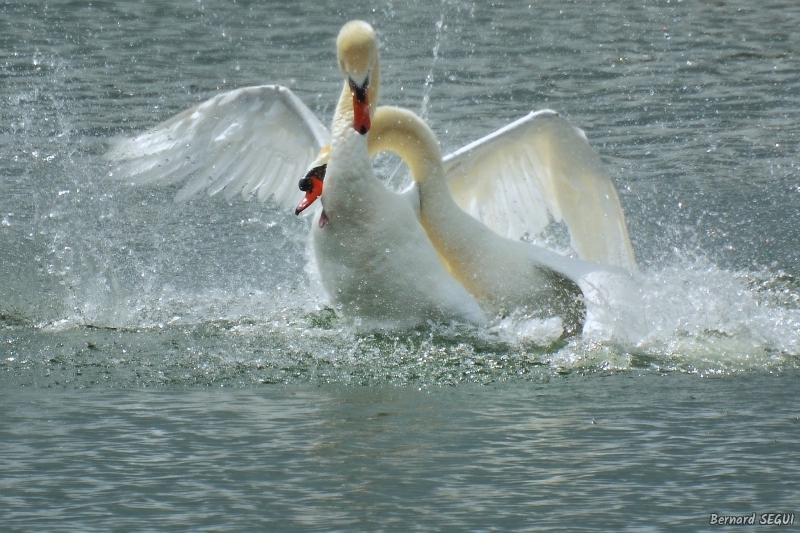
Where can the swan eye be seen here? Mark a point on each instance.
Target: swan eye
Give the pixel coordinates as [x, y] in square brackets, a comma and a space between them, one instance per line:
[359, 92]
[317, 172]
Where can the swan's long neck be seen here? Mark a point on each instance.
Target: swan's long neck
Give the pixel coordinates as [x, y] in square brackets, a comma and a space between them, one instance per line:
[349, 174]
[404, 133]
[454, 234]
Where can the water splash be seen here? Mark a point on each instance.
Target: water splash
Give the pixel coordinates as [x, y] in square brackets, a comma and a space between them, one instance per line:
[429, 78]
[684, 317]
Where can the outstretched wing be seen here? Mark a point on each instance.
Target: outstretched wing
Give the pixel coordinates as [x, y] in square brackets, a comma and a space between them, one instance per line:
[537, 169]
[250, 141]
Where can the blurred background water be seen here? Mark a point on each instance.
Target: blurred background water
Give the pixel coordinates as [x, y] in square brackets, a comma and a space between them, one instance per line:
[124, 318]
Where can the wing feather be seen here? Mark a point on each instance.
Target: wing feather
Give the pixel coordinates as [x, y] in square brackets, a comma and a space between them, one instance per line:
[281, 167]
[257, 169]
[256, 180]
[537, 170]
[253, 140]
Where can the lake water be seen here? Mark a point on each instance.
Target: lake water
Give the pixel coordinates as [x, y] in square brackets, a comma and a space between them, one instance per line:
[166, 367]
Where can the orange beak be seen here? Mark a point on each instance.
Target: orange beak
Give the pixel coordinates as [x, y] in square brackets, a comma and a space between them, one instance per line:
[361, 120]
[312, 185]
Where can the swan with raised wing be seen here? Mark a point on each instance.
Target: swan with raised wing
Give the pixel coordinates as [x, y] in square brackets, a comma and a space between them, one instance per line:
[502, 274]
[257, 140]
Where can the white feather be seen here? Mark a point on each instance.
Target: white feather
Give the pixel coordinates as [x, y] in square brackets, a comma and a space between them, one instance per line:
[254, 140]
[536, 170]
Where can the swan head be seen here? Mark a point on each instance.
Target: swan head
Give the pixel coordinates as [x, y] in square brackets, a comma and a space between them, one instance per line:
[357, 52]
[311, 184]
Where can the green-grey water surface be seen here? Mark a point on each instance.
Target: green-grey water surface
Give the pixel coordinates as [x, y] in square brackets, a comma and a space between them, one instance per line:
[166, 367]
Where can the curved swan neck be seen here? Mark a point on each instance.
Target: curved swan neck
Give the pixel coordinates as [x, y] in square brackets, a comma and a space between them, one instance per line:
[374, 82]
[401, 131]
[343, 116]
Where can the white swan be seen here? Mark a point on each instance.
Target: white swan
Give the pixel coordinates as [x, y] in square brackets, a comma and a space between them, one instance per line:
[258, 140]
[502, 274]
[374, 257]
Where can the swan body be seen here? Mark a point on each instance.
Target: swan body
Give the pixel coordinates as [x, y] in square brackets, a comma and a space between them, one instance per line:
[374, 257]
[502, 274]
